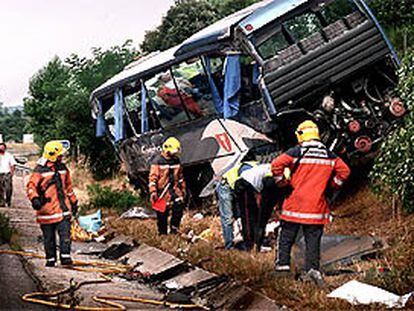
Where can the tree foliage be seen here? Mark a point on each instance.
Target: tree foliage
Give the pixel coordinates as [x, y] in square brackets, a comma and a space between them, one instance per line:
[397, 17]
[394, 167]
[186, 18]
[181, 21]
[58, 103]
[12, 124]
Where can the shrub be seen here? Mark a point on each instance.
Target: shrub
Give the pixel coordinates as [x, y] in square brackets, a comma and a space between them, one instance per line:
[106, 197]
[394, 168]
[6, 231]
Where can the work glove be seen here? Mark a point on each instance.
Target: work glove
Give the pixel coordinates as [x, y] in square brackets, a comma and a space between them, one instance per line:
[36, 203]
[154, 197]
[75, 209]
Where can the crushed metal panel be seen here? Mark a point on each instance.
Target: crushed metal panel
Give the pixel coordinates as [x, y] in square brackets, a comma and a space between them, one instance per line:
[342, 249]
[191, 278]
[154, 261]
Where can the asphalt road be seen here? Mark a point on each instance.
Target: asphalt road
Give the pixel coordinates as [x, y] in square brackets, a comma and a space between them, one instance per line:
[15, 282]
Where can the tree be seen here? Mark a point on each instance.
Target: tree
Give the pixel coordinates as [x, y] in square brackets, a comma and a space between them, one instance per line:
[227, 7]
[12, 124]
[58, 103]
[394, 167]
[182, 20]
[397, 17]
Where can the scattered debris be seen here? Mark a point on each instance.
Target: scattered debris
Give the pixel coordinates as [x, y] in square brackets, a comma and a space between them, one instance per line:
[92, 222]
[340, 250]
[79, 234]
[116, 251]
[359, 293]
[198, 216]
[207, 235]
[139, 212]
[271, 227]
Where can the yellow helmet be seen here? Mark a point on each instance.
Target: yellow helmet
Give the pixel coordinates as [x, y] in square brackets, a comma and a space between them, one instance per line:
[172, 146]
[55, 148]
[307, 131]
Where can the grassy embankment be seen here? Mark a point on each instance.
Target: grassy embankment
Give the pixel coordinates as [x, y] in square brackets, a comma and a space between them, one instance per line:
[360, 214]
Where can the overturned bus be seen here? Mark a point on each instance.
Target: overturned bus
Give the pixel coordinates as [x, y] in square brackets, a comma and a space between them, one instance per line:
[243, 84]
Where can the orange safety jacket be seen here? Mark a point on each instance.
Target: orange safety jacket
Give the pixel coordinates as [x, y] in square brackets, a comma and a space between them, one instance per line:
[52, 184]
[166, 171]
[318, 170]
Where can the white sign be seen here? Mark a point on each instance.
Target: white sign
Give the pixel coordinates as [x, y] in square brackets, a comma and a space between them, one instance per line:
[28, 139]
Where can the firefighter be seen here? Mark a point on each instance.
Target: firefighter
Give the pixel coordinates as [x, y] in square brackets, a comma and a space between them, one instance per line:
[50, 191]
[166, 179]
[225, 195]
[315, 170]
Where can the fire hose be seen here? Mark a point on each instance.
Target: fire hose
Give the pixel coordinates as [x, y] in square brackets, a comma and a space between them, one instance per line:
[104, 268]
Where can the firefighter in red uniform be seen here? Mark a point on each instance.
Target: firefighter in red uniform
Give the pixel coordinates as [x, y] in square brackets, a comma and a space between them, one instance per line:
[166, 180]
[50, 191]
[316, 170]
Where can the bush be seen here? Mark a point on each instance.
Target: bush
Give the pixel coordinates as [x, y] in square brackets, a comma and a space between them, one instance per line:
[6, 231]
[394, 168]
[105, 197]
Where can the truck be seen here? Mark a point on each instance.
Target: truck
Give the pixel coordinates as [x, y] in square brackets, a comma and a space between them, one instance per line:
[240, 87]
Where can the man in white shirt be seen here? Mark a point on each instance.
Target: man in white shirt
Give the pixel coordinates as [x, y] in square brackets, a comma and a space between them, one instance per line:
[7, 166]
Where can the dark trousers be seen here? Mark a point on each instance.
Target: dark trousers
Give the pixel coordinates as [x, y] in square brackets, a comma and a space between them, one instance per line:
[270, 197]
[49, 236]
[287, 236]
[162, 218]
[6, 189]
[246, 200]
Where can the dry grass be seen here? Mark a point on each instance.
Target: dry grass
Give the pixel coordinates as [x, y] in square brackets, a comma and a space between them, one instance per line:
[360, 215]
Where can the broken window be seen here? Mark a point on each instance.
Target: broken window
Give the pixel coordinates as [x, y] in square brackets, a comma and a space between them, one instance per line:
[166, 100]
[303, 26]
[336, 10]
[194, 87]
[272, 45]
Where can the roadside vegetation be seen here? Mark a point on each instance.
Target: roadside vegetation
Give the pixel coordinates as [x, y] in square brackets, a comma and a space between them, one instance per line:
[6, 232]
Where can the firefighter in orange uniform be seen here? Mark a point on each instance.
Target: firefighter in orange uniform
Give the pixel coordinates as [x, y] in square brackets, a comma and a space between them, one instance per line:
[316, 170]
[166, 179]
[50, 191]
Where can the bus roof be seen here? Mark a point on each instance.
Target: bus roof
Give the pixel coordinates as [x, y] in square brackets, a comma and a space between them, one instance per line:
[205, 40]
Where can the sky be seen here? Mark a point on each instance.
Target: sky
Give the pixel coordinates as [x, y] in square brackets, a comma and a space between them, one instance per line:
[32, 32]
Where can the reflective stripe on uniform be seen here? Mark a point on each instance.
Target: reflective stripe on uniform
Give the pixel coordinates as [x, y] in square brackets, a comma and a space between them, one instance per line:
[164, 166]
[278, 177]
[57, 215]
[317, 161]
[62, 172]
[305, 215]
[50, 259]
[65, 255]
[46, 174]
[338, 181]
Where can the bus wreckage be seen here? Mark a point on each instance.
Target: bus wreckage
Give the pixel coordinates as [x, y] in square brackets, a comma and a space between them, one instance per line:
[243, 84]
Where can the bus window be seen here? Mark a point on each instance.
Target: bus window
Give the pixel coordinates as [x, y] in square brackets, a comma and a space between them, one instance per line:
[336, 10]
[272, 45]
[133, 114]
[194, 87]
[303, 26]
[165, 99]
